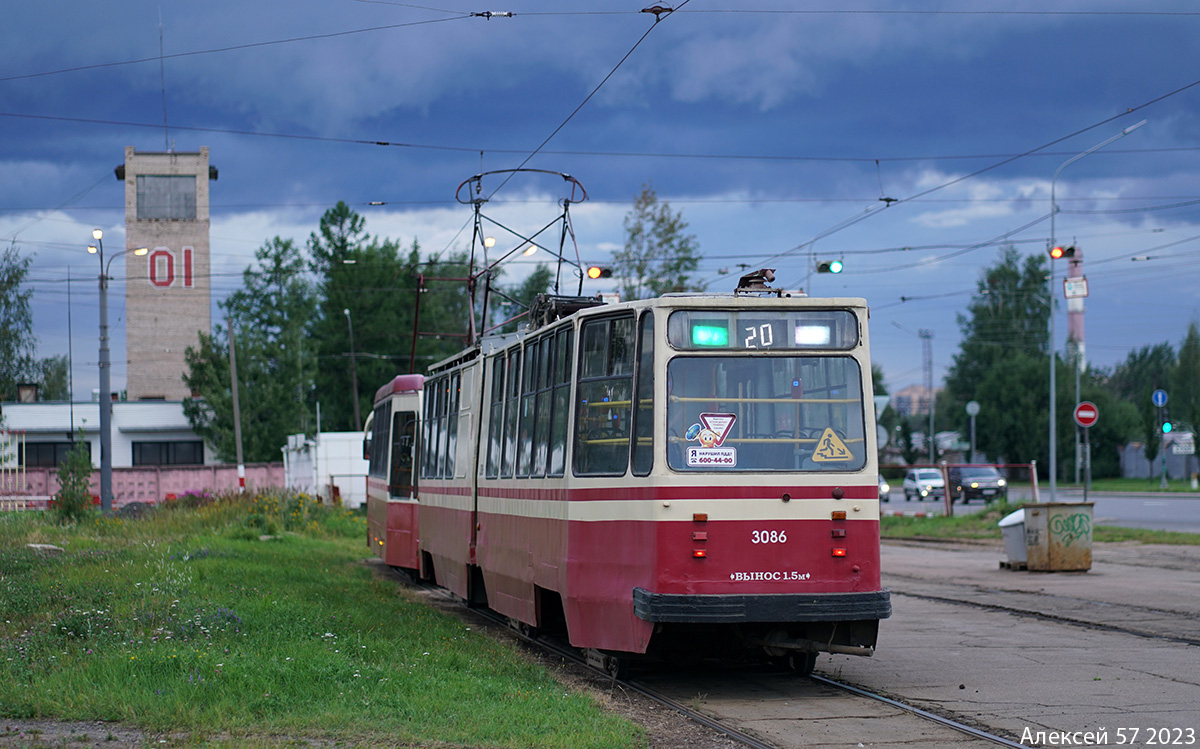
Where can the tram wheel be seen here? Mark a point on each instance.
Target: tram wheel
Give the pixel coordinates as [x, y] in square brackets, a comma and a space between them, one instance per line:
[617, 667]
[802, 664]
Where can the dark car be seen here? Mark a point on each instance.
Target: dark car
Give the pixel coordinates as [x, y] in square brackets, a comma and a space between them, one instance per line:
[976, 482]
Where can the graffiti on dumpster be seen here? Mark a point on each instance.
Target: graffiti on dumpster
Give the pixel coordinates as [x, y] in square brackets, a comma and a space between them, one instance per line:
[1071, 527]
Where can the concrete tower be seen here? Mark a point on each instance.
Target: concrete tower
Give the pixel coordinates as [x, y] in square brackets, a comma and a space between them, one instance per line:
[1075, 291]
[168, 299]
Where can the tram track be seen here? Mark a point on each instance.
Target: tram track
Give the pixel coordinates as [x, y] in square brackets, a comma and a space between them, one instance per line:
[939, 719]
[722, 726]
[1059, 618]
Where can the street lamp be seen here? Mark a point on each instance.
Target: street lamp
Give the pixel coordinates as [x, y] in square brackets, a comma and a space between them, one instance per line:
[106, 496]
[353, 371]
[1050, 287]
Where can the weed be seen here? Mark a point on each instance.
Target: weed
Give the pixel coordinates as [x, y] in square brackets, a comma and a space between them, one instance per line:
[73, 502]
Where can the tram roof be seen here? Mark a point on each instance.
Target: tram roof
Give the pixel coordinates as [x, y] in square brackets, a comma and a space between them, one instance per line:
[678, 300]
[406, 383]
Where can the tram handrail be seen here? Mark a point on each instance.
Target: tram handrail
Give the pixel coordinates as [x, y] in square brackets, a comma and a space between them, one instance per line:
[735, 399]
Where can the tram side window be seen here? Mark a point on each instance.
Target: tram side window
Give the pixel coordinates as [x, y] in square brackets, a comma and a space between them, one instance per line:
[429, 464]
[528, 390]
[602, 413]
[404, 436]
[512, 398]
[561, 381]
[541, 407]
[441, 427]
[495, 418]
[450, 426]
[377, 465]
[643, 417]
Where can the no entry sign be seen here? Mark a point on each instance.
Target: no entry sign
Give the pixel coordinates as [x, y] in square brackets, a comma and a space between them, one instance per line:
[1086, 414]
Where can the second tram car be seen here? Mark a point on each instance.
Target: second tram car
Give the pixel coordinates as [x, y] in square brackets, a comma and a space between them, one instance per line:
[685, 476]
[390, 439]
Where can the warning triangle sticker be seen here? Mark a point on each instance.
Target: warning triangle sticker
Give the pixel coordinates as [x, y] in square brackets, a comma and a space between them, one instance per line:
[831, 448]
[719, 424]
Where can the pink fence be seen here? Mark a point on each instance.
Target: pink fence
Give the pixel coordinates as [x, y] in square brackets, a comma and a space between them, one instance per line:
[152, 484]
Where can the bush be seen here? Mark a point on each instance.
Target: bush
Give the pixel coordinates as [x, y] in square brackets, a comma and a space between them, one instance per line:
[74, 499]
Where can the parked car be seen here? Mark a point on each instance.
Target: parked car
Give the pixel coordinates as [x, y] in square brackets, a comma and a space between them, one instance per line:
[976, 482]
[885, 490]
[923, 483]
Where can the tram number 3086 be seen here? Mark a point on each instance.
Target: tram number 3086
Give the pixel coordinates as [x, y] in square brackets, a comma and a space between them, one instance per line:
[768, 537]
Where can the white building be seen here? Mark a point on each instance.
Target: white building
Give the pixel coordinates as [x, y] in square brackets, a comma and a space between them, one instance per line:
[331, 465]
[145, 433]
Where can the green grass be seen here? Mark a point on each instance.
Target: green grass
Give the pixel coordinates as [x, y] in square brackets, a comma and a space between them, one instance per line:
[982, 525]
[184, 621]
[1139, 485]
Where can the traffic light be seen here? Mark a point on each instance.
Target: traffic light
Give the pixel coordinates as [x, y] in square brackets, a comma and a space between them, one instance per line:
[1165, 415]
[1061, 252]
[830, 266]
[596, 271]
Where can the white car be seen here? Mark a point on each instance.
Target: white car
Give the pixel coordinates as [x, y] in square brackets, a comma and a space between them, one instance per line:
[923, 483]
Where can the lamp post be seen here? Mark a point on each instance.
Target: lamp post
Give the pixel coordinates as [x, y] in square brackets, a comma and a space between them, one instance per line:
[1050, 288]
[353, 371]
[106, 496]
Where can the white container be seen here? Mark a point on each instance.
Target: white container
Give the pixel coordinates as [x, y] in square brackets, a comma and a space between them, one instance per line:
[1012, 528]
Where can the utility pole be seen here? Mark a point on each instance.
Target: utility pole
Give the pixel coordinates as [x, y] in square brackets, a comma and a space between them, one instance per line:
[1075, 289]
[237, 413]
[926, 337]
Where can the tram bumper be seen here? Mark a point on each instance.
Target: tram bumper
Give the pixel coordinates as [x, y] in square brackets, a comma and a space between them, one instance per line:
[771, 607]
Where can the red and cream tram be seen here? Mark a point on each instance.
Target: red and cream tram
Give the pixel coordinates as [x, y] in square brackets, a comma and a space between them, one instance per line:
[390, 443]
[685, 476]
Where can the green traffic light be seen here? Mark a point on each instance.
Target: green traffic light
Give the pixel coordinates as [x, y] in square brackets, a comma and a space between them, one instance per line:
[835, 266]
[1166, 427]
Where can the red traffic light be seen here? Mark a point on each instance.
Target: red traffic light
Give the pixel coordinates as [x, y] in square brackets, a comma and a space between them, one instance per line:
[1056, 252]
[596, 271]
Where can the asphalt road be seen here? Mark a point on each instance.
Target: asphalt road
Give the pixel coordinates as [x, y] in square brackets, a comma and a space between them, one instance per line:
[1016, 653]
[1168, 511]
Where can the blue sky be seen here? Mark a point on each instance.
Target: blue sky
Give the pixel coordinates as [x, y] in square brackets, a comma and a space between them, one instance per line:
[774, 127]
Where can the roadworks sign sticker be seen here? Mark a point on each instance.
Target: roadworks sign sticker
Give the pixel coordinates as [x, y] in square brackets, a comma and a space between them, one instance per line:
[830, 448]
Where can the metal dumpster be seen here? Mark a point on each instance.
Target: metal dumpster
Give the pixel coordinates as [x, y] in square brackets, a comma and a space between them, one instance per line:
[1058, 536]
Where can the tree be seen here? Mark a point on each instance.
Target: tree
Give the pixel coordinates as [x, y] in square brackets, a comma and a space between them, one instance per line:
[1133, 380]
[16, 324]
[658, 255]
[54, 375]
[887, 417]
[270, 315]
[1007, 316]
[378, 286]
[340, 234]
[1002, 364]
[73, 502]
[908, 449]
[1185, 379]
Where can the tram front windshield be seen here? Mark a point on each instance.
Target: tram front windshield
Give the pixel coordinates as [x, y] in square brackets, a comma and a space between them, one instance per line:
[765, 413]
